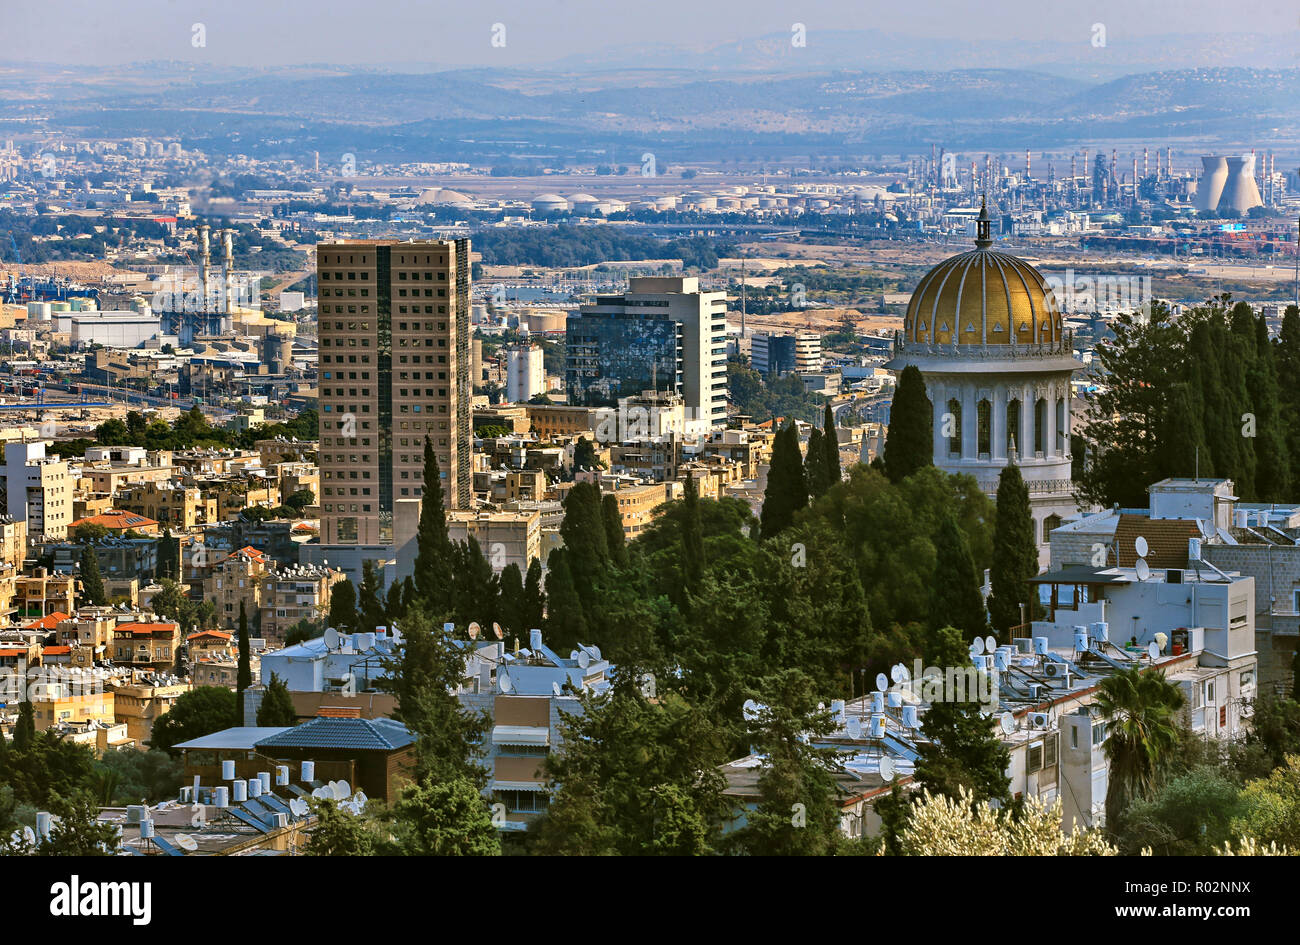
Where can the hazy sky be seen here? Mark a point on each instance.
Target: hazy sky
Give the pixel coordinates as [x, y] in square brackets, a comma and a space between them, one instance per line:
[443, 34]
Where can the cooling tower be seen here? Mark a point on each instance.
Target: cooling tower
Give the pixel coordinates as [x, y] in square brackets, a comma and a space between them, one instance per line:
[1240, 192]
[1210, 188]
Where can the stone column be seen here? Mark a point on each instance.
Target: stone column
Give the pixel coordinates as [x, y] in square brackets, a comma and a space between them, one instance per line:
[939, 404]
[969, 435]
[1051, 451]
[1026, 444]
[999, 425]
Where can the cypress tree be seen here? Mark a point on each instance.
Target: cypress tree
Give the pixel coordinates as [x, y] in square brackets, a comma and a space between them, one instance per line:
[1286, 352]
[343, 606]
[477, 587]
[831, 443]
[370, 605]
[956, 600]
[814, 465]
[787, 488]
[393, 609]
[1273, 462]
[1015, 555]
[534, 612]
[409, 594]
[244, 677]
[433, 577]
[25, 727]
[277, 705]
[909, 441]
[692, 538]
[614, 538]
[511, 609]
[583, 530]
[566, 624]
[1180, 445]
[168, 556]
[92, 583]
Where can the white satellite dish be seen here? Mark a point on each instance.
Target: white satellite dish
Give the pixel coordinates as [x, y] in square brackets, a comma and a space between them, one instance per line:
[474, 629]
[1140, 546]
[360, 799]
[882, 682]
[323, 794]
[896, 672]
[886, 768]
[29, 837]
[503, 682]
[331, 639]
[1008, 723]
[990, 643]
[299, 807]
[342, 789]
[1143, 569]
[555, 688]
[186, 842]
[977, 647]
[903, 674]
[854, 727]
[1153, 651]
[496, 631]
[751, 710]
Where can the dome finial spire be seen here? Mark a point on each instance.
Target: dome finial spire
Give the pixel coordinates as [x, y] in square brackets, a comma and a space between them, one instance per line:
[982, 238]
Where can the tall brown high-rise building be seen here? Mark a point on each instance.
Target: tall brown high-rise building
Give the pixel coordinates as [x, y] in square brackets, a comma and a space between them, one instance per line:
[394, 368]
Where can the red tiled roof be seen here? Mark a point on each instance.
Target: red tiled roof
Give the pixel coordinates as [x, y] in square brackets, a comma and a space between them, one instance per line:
[116, 521]
[56, 650]
[220, 634]
[145, 629]
[11, 652]
[48, 622]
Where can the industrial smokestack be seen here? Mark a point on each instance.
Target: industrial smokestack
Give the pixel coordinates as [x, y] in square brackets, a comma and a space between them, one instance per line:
[1144, 163]
[205, 261]
[1027, 174]
[227, 266]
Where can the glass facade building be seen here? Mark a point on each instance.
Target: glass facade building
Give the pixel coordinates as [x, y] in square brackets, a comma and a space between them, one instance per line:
[615, 355]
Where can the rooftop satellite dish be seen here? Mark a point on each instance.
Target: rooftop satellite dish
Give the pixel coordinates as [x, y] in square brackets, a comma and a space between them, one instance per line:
[331, 639]
[882, 682]
[990, 643]
[504, 683]
[584, 659]
[299, 807]
[1140, 546]
[496, 630]
[1153, 651]
[342, 789]
[474, 629]
[1143, 569]
[751, 710]
[854, 727]
[1008, 723]
[360, 799]
[186, 842]
[903, 675]
[29, 836]
[886, 768]
[555, 688]
[323, 794]
[977, 647]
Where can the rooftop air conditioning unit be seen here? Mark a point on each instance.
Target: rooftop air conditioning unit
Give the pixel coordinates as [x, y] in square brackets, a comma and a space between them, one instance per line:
[1039, 720]
[1055, 670]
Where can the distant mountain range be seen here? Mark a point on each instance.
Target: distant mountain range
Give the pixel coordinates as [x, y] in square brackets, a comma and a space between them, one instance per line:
[730, 110]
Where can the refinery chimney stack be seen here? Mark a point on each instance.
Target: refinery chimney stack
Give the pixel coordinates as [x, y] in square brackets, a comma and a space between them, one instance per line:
[205, 262]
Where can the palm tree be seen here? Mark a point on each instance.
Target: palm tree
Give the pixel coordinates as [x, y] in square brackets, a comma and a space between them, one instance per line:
[1142, 708]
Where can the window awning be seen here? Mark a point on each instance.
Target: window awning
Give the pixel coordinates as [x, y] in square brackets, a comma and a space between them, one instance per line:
[538, 786]
[520, 735]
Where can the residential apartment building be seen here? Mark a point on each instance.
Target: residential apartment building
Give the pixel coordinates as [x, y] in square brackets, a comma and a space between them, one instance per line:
[394, 368]
[505, 538]
[293, 594]
[236, 579]
[774, 354]
[146, 645]
[38, 489]
[13, 541]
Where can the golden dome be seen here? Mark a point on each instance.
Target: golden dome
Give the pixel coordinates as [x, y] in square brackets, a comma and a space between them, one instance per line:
[983, 297]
